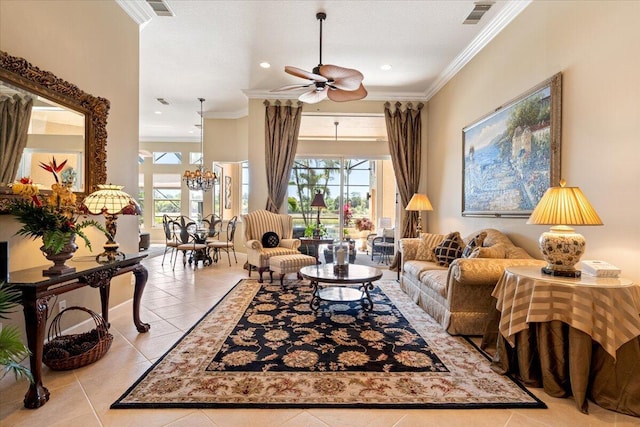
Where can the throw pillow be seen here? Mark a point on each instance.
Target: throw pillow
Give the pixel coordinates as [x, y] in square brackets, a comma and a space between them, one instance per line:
[476, 242]
[270, 239]
[427, 243]
[496, 251]
[450, 249]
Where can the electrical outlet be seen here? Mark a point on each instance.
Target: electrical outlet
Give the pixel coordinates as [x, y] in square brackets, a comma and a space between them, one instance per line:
[62, 305]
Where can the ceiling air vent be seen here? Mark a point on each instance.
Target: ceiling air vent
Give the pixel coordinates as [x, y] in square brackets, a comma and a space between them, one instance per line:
[478, 12]
[160, 8]
[162, 101]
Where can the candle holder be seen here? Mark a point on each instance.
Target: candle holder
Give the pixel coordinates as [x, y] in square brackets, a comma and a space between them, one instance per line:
[341, 258]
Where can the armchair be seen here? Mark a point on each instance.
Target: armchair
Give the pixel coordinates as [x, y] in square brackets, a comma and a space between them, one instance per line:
[385, 235]
[256, 224]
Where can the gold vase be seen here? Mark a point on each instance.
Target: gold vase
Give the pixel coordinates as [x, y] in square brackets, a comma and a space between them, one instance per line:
[59, 259]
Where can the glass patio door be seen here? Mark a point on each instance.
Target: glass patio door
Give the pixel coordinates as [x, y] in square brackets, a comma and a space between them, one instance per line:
[349, 185]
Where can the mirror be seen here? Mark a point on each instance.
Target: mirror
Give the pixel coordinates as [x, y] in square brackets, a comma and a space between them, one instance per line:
[65, 122]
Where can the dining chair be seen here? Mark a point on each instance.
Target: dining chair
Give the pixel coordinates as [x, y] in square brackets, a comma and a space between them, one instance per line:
[187, 240]
[227, 244]
[171, 242]
[214, 224]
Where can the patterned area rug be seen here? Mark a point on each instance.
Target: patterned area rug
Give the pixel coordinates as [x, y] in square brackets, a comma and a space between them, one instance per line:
[262, 346]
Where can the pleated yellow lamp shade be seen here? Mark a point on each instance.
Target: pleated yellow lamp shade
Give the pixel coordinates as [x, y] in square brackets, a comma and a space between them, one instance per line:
[564, 206]
[419, 202]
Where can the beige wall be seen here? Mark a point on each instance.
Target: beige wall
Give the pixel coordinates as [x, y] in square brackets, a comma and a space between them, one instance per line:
[596, 46]
[94, 45]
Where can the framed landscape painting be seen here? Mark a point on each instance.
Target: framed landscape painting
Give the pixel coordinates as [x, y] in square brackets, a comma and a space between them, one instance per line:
[512, 155]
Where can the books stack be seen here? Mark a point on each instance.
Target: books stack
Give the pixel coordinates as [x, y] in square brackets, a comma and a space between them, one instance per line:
[600, 269]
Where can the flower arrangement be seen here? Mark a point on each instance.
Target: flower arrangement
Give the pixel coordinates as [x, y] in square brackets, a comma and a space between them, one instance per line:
[54, 218]
[347, 213]
[364, 224]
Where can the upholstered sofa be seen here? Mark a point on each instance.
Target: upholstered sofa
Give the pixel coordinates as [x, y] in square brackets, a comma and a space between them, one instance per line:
[458, 296]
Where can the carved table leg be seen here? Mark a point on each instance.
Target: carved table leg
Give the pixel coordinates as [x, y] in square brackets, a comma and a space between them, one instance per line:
[367, 302]
[35, 317]
[104, 300]
[141, 274]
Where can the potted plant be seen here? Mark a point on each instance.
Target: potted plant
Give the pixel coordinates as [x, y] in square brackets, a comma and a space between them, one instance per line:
[12, 350]
[55, 218]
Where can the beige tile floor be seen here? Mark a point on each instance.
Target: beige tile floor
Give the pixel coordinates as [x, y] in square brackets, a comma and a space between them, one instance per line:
[173, 301]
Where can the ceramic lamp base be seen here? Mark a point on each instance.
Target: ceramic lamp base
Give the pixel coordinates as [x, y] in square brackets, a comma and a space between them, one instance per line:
[562, 248]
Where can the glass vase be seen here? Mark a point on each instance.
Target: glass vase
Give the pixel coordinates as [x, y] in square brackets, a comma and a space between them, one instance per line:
[341, 257]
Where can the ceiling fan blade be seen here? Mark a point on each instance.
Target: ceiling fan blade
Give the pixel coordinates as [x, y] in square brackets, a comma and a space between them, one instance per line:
[298, 72]
[314, 96]
[290, 87]
[334, 72]
[347, 83]
[339, 95]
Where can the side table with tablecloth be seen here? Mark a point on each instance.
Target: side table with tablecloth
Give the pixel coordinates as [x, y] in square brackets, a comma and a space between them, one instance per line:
[577, 337]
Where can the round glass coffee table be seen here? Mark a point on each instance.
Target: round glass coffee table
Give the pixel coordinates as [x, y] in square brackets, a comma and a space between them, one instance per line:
[352, 286]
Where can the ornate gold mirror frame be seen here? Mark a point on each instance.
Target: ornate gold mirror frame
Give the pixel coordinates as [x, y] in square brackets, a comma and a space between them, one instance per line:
[19, 72]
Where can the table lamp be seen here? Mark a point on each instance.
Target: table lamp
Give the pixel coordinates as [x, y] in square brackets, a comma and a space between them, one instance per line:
[562, 247]
[419, 202]
[318, 202]
[110, 201]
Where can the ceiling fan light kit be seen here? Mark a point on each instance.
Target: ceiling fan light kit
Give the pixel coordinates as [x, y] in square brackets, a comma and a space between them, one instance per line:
[327, 81]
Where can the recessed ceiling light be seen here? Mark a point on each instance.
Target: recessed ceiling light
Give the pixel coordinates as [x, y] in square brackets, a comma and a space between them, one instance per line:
[385, 67]
[158, 112]
[265, 65]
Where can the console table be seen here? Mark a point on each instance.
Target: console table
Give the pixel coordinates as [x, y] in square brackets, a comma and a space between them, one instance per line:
[572, 336]
[311, 241]
[37, 290]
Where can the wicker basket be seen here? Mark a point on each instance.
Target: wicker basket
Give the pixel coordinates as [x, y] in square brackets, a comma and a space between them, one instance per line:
[64, 352]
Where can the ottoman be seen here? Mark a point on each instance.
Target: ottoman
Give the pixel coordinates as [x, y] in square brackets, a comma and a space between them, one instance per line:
[284, 264]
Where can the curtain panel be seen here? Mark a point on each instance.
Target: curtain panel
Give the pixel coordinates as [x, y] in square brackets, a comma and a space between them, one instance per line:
[282, 125]
[15, 114]
[404, 131]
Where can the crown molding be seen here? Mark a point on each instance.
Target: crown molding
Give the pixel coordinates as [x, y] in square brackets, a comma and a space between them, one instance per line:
[138, 10]
[499, 23]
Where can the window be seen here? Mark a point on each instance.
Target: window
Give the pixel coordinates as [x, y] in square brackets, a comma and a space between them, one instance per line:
[245, 188]
[195, 205]
[195, 158]
[354, 177]
[166, 196]
[163, 158]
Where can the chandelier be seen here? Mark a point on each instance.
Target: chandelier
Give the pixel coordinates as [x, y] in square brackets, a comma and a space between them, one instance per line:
[201, 178]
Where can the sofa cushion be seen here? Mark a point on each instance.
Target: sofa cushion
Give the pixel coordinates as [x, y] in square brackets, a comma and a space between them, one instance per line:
[475, 242]
[416, 268]
[515, 252]
[450, 249]
[270, 239]
[436, 280]
[427, 244]
[496, 251]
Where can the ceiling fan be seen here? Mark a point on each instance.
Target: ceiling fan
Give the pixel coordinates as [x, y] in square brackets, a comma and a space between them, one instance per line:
[327, 81]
